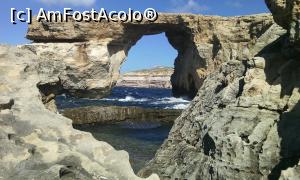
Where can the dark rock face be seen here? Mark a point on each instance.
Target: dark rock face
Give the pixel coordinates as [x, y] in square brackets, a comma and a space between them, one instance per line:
[113, 114]
[6, 103]
[287, 14]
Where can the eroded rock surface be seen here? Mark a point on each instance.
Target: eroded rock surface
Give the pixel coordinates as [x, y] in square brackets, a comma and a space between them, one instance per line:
[243, 123]
[39, 144]
[89, 55]
[287, 14]
[114, 114]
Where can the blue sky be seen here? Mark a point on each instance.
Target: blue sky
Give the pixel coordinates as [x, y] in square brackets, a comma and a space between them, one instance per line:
[150, 50]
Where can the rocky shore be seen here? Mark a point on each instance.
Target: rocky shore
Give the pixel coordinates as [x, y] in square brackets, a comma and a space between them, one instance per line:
[159, 77]
[39, 144]
[243, 123]
[114, 114]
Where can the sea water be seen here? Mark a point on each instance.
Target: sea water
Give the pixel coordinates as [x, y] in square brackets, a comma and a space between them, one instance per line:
[129, 96]
[141, 142]
[140, 139]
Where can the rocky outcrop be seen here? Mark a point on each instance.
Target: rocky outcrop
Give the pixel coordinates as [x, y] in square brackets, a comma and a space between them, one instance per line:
[242, 124]
[87, 59]
[287, 14]
[159, 77]
[113, 114]
[39, 144]
[75, 68]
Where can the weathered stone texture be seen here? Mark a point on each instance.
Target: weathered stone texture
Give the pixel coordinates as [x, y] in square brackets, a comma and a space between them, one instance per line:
[114, 114]
[91, 53]
[157, 77]
[39, 144]
[287, 14]
[243, 123]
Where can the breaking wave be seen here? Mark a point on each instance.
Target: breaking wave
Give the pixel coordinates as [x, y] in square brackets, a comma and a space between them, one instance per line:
[132, 99]
[178, 106]
[124, 96]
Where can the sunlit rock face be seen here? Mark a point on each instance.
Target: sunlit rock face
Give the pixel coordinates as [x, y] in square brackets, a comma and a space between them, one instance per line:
[39, 144]
[158, 77]
[243, 123]
[90, 54]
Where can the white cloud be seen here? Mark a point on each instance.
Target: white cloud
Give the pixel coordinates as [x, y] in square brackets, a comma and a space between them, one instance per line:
[69, 2]
[189, 6]
[234, 4]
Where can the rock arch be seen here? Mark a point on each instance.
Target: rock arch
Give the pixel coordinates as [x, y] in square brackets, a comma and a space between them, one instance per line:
[87, 56]
[238, 125]
[181, 39]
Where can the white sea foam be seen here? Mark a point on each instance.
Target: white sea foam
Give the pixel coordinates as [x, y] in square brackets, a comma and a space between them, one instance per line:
[171, 100]
[175, 100]
[110, 99]
[132, 99]
[166, 102]
[178, 106]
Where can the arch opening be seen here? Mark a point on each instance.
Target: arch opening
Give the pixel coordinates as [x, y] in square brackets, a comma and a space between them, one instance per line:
[141, 116]
[188, 63]
[143, 105]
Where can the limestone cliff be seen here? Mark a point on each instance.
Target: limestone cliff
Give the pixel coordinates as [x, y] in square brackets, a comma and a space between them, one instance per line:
[244, 121]
[88, 56]
[159, 77]
[39, 144]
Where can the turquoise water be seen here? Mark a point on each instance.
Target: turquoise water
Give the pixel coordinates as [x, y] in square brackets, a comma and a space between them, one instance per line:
[140, 140]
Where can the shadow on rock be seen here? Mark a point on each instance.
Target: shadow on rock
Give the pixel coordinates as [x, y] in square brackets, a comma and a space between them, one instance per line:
[284, 68]
[288, 129]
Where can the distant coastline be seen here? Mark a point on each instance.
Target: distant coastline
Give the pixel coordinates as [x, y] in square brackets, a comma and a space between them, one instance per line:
[157, 77]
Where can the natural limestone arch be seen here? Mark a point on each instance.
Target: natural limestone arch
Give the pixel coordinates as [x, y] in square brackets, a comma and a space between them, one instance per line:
[68, 55]
[181, 39]
[87, 56]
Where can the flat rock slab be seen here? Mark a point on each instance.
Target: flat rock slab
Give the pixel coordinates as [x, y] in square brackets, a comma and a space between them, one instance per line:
[113, 114]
